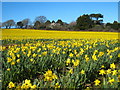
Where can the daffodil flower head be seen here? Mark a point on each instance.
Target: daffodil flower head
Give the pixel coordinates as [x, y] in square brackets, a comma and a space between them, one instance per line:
[112, 66]
[97, 82]
[102, 72]
[11, 85]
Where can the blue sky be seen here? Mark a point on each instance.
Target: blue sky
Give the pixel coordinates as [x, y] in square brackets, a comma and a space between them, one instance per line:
[60, 0]
[67, 11]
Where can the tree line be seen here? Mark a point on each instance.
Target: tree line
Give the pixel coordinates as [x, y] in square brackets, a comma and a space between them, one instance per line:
[88, 22]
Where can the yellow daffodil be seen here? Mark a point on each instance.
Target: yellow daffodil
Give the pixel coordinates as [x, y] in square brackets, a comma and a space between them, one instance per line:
[102, 66]
[71, 55]
[34, 55]
[11, 85]
[94, 57]
[119, 55]
[18, 60]
[97, 82]
[71, 71]
[57, 85]
[68, 61]
[111, 56]
[112, 66]
[49, 76]
[27, 84]
[31, 59]
[9, 59]
[44, 53]
[75, 63]
[108, 71]
[27, 81]
[8, 69]
[33, 87]
[114, 72]
[82, 71]
[12, 63]
[86, 58]
[100, 54]
[102, 72]
[111, 81]
[18, 55]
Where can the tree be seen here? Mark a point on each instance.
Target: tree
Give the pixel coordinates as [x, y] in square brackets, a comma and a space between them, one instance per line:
[37, 25]
[4, 24]
[72, 26]
[8, 24]
[73, 23]
[48, 22]
[115, 25]
[26, 22]
[119, 25]
[109, 24]
[92, 16]
[0, 24]
[96, 17]
[60, 22]
[53, 21]
[84, 22]
[20, 24]
[41, 19]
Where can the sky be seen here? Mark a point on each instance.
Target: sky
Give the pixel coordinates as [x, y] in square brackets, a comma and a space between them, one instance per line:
[66, 11]
[60, 0]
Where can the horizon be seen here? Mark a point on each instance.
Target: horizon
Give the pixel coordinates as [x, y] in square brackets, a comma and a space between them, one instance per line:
[66, 11]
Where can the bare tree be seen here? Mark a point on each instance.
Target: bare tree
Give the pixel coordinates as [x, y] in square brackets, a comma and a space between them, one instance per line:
[8, 24]
[72, 25]
[26, 22]
[60, 22]
[41, 19]
[37, 25]
[0, 24]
